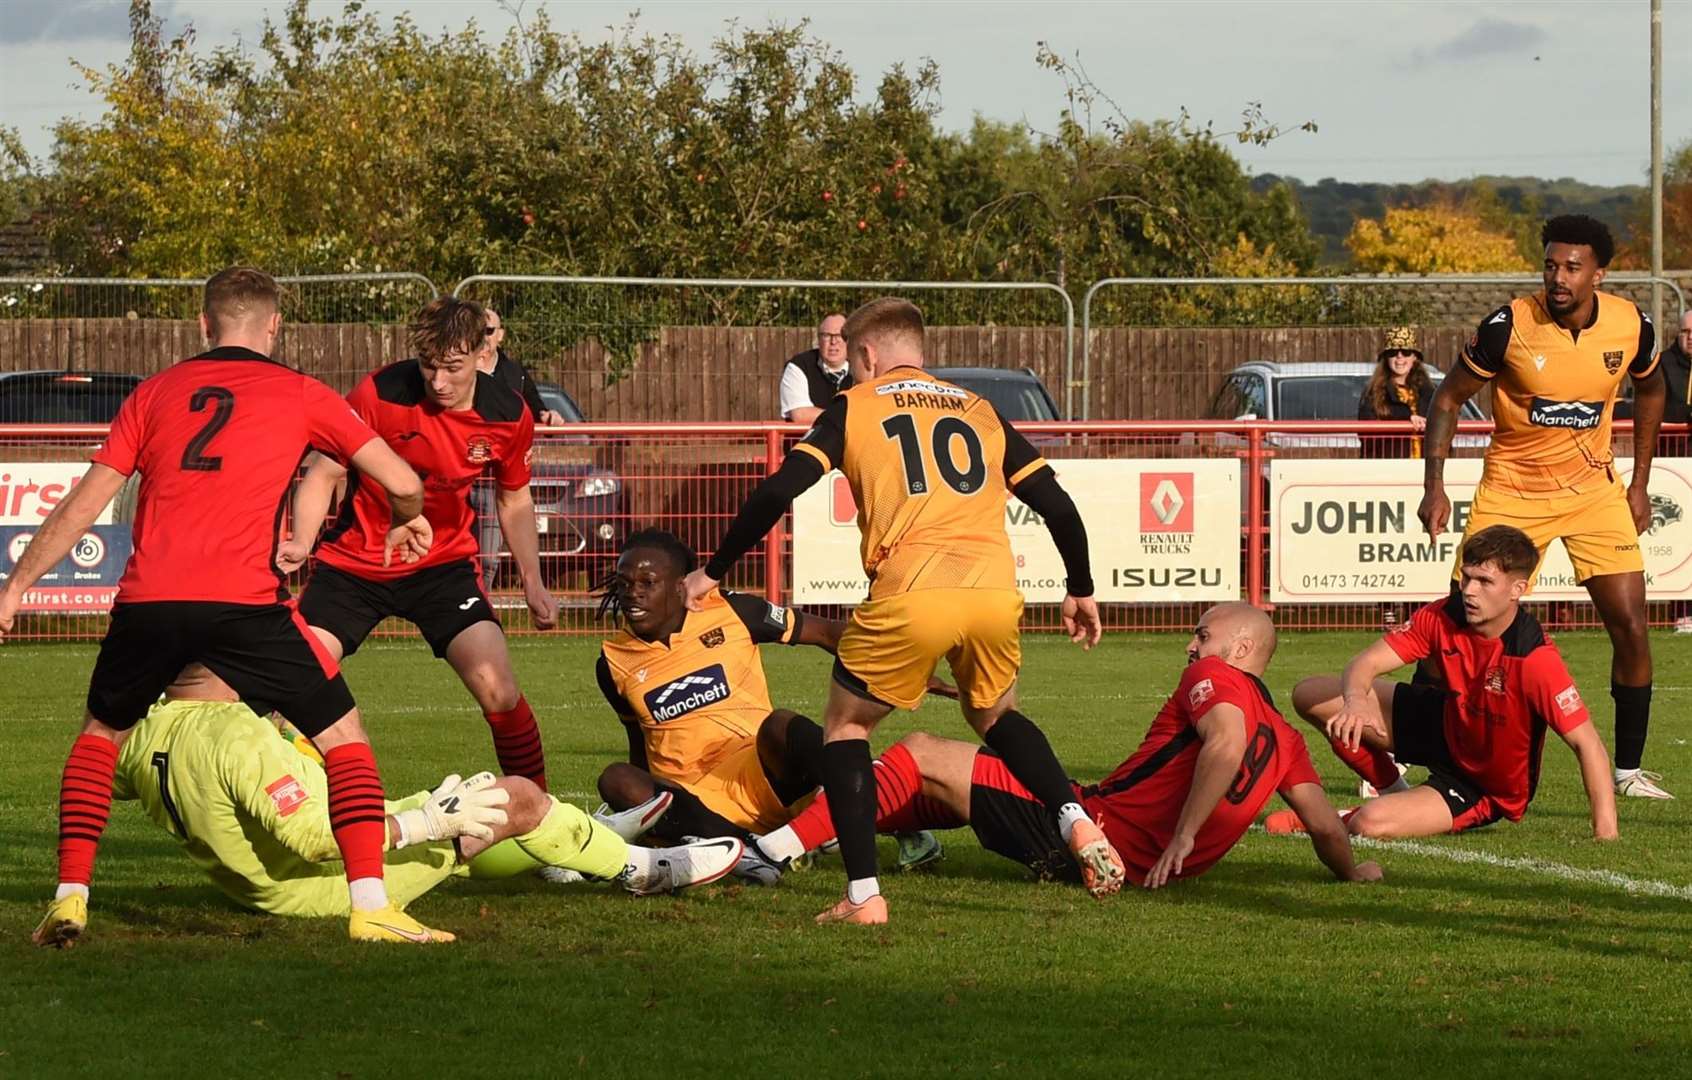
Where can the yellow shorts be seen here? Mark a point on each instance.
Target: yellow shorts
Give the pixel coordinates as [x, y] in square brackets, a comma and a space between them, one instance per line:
[892, 645]
[736, 788]
[1596, 527]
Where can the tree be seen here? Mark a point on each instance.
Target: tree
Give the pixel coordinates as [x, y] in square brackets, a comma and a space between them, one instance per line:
[1106, 196]
[350, 145]
[1444, 239]
[346, 143]
[1677, 217]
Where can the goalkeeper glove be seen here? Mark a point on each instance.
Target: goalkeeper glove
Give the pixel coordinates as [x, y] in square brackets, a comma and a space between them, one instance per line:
[455, 808]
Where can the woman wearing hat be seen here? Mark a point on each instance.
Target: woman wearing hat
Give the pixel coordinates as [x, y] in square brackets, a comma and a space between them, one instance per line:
[1398, 390]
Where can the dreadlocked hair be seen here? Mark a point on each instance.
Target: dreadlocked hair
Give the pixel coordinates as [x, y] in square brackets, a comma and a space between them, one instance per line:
[612, 599]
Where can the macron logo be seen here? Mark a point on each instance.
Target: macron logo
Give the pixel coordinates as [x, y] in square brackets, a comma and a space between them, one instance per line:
[707, 686]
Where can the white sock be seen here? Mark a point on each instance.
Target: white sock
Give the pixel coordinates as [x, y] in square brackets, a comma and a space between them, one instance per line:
[639, 866]
[1621, 774]
[1396, 786]
[67, 888]
[368, 894]
[860, 889]
[781, 845]
[1068, 814]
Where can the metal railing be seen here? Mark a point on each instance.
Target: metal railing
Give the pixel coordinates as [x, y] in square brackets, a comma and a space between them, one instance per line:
[338, 327]
[608, 327]
[1281, 310]
[1182, 514]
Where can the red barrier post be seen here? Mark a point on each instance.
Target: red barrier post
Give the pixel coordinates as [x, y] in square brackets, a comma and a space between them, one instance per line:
[1254, 517]
[773, 564]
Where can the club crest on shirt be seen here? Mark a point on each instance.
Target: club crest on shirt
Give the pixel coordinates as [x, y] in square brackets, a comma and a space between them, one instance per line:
[1495, 680]
[1612, 361]
[1202, 691]
[712, 637]
[287, 795]
[479, 451]
[1568, 700]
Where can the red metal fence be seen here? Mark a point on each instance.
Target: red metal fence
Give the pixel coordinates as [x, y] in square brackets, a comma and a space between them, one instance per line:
[594, 484]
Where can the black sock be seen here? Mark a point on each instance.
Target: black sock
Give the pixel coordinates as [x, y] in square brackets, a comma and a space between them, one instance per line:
[1633, 720]
[849, 780]
[1029, 757]
[801, 761]
[687, 816]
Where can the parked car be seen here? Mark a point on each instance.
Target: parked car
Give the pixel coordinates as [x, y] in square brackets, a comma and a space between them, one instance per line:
[1017, 393]
[71, 397]
[581, 509]
[558, 400]
[63, 397]
[1268, 390]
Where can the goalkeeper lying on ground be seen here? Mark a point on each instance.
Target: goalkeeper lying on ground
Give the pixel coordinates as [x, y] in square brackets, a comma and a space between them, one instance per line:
[251, 807]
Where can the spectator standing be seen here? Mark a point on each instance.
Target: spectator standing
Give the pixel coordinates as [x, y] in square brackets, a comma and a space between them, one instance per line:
[492, 360]
[1398, 390]
[1677, 368]
[1677, 374]
[812, 378]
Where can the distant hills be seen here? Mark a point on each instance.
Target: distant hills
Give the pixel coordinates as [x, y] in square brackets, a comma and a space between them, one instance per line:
[1332, 205]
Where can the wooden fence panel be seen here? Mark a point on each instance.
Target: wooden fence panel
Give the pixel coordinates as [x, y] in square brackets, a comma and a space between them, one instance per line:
[696, 373]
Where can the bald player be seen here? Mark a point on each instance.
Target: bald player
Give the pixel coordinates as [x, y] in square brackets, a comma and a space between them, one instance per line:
[1215, 753]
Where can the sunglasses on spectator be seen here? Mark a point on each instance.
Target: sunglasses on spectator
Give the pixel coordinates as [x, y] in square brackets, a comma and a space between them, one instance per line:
[831, 337]
[491, 331]
[1394, 354]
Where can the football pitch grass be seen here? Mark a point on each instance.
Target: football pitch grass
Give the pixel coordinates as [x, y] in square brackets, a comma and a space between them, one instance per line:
[1518, 950]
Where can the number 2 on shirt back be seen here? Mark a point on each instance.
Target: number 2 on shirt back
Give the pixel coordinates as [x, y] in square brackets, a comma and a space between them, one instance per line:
[194, 457]
[965, 481]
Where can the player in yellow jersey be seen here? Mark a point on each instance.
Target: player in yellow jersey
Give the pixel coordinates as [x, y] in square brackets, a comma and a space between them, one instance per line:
[250, 806]
[931, 466]
[708, 755]
[1555, 362]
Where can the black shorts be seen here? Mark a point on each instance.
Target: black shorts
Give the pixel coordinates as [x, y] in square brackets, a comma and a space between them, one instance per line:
[442, 601]
[1418, 738]
[264, 652]
[1010, 821]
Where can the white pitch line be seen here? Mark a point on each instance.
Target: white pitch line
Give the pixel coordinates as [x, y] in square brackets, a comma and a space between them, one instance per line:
[1632, 886]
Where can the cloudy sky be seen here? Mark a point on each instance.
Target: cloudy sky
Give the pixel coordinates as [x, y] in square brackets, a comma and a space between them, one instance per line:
[1401, 90]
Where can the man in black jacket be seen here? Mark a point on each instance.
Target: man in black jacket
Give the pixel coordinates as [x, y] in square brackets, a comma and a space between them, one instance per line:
[812, 378]
[495, 362]
[1676, 365]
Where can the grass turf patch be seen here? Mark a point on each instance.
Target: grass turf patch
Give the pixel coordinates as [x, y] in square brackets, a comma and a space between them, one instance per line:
[1523, 962]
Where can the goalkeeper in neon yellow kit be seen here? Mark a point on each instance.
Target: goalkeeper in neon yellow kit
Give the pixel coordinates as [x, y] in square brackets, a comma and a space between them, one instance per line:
[251, 807]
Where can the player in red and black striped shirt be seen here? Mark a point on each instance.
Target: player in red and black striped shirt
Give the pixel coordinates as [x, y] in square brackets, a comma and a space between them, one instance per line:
[1216, 752]
[217, 440]
[451, 423]
[1481, 733]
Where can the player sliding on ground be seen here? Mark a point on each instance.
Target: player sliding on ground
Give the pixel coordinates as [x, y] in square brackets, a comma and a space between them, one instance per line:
[251, 808]
[930, 466]
[217, 439]
[451, 423]
[1215, 753]
[708, 756]
[1481, 734]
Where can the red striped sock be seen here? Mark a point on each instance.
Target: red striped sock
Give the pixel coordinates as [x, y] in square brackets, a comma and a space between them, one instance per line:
[921, 812]
[1375, 766]
[899, 804]
[85, 801]
[357, 816]
[517, 742]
